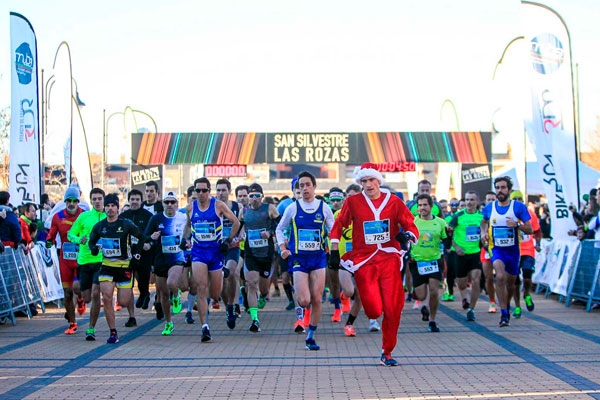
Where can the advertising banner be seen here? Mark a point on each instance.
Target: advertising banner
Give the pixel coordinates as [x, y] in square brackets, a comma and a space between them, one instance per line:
[24, 168]
[551, 126]
[141, 174]
[554, 263]
[476, 177]
[48, 272]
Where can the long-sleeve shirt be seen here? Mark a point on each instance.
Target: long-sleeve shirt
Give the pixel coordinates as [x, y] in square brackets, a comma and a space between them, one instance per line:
[10, 228]
[83, 226]
[375, 224]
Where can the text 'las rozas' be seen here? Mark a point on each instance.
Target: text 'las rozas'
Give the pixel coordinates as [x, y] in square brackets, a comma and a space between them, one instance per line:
[311, 147]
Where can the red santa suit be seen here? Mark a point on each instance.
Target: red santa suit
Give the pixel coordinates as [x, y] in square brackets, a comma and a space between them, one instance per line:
[376, 256]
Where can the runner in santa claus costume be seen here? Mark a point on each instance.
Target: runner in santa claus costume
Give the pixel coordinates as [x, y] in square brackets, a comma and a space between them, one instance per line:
[382, 228]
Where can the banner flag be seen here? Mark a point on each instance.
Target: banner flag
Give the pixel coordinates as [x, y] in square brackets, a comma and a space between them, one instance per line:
[551, 126]
[24, 167]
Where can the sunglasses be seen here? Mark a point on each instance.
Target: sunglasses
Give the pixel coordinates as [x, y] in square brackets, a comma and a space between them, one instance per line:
[170, 202]
[71, 201]
[254, 195]
[453, 204]
[203, 190]
[335, 200]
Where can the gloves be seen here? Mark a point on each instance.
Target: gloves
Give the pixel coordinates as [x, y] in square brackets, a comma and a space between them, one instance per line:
[48, 244]
[403, 238]
[95, 250]
[225, 246]
[334, 259]
[183, 244]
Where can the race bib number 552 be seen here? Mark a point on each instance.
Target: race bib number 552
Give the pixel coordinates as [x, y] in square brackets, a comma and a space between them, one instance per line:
[377, 231]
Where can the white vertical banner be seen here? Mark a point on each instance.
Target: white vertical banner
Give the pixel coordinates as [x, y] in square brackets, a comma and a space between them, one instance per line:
[551, 126]
[24, 168]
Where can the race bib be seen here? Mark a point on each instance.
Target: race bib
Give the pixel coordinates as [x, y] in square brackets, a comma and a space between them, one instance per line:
[226, 231]
[205, 231]
[427, 267]
[504, 237]
[170, 244]
[134, 240]
[309, 239]
[110, 247]
[69, 251]
[348, 246]
[472, 233]
[524, 237]
[255, 240]
[377, 231]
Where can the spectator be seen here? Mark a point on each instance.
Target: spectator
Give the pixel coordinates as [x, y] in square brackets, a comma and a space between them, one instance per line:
[545, 223]
[10, 228]
[26, 218]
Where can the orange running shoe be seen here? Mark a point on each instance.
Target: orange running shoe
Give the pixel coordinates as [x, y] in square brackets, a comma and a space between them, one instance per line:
[71, 329]
[117, 306]
[306, 320]
[81, 307]
[349, 330]
[298, 328]
[216, 305]
[345, 303]
[492, 308]
[337, 315]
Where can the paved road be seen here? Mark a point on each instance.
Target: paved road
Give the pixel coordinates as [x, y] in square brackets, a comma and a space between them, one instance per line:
[552, 353]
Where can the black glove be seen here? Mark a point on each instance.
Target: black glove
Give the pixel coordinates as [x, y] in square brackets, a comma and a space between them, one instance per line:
[48, 244]
[225, 246]
[226, 272]
[183, 244]
[403, 238]
[95, 250]
[2, 248]
[334, 259]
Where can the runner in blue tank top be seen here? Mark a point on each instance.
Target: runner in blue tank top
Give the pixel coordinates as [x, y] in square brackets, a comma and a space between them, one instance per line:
[204, 223]
[308, 218]
[506, 218]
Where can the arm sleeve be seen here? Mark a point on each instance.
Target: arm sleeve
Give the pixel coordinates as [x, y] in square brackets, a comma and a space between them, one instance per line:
[487, 211]
[25, 235]
[73, 234]
[454, 221]
[94, 236]
[328, 218]
[444, 234]
[407, 221]
[285, 222]
[53, 229]
[342, 221]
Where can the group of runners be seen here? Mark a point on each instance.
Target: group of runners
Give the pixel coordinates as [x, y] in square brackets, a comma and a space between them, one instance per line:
[216, 248]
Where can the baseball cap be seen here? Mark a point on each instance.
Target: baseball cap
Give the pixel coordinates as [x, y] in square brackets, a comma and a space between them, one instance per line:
[170, 195]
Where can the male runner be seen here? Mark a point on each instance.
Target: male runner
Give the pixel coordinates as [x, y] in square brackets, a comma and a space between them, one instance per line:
[527, 262]
[112, 236]
[61, 223]
[486, 263]
[140, 216]
[376, 255]
[507, 219]
[424, 187]
[241, 195]
[260, 220]
[204, 222]
[187, 283]
[166, 230]
[233, 255]
[308, 218]
[152, 202]
[426, 266]
[450, 256]
[336, 200]
[466, 241]
[88, 268]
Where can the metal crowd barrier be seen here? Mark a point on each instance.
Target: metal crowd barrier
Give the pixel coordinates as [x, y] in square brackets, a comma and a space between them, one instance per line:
[584, 282]
[19, 286]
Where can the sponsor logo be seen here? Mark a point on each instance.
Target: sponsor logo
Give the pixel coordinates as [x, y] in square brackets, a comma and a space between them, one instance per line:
[24, 63]
[547, 53]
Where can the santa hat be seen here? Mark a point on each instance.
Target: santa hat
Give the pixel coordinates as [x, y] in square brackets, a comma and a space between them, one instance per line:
[367, 170]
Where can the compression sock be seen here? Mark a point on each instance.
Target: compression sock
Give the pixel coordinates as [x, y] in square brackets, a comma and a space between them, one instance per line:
[311, 332]
[253, 313]
[191, 302]
[287, 288]
[336, 303]
[351, 319]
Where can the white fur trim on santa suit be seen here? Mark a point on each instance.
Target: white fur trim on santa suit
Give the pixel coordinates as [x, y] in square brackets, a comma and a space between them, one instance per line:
[367, 173]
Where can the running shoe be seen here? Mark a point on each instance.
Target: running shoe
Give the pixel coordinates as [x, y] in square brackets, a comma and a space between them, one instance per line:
[346, 306]
[177, 303]
[159, 311]
[216, 305]
[529, 303]
[517, 313]
[237, 310]
[168, 329]
[71, 329]
[81, 307]
[465, 304]
[312, 345]
[433, 327]
[470, 315]
[337, 315]
[417, 305]
[131, 322]
[349, 330]
[231, 318]
[451, 297]
[117, 306]
[493, 308]
[113, 338]
[445, 297]
[290, 306]
[188, 318]
[299, 327]
[374, 326]
[254, 326]
[424, 314]
[387, 360]
[262, 302]
[306, 320]
[90, 334]
[146, 301]
[206, 334]
[504, 321]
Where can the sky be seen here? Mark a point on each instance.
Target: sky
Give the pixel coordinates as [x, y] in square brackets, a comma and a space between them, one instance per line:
[279, 65]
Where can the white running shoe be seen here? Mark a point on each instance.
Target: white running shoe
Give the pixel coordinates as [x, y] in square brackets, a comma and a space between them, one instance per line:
[417, 305]
[374, 326]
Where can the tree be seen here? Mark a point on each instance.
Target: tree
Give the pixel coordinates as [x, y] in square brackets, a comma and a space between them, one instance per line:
[4, 145]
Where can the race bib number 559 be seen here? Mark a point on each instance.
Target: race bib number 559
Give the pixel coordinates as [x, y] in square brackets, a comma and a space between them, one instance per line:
[309, 239]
